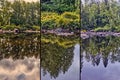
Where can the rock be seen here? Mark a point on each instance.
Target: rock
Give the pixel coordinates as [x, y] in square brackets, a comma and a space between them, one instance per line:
[58, 30]
[84, 36]
[16, 30]
[116, 34]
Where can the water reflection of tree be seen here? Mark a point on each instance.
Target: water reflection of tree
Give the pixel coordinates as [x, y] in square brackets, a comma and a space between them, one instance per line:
[19, 46]
[55, 58]
[105, 48]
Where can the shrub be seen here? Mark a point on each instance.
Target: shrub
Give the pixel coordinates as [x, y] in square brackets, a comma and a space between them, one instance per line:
[105, 28]
[62, 22]
[70, 15]
[10, 27]
[51, 20]
[26, 26]
[48, 20]
[72, 20]
[36, 28]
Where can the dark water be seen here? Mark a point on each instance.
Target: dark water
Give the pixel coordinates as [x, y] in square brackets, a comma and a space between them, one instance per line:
[100, 58]
[60, 58]
[19, 57]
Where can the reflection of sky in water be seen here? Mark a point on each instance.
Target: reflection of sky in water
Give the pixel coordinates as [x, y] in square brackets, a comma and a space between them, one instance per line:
[90, 72]
[73, 71]
[21, 69]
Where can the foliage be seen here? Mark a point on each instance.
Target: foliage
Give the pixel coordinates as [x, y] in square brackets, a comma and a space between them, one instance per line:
[60, 14]
[52, 20]
[96, 15]
[105, 28]
[60, 6]
[56, 8]
[36, 28]
[10, 27]
[19, 13]
[48, 19]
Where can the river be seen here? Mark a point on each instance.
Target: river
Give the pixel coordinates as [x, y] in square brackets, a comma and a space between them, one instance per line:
[60, 58]
[100, 58]
[19, 57]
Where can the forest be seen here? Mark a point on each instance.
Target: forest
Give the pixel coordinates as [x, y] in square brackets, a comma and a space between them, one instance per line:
[19, 14]
[63, 14]
[100, 15]
[97, 15]
[51, 14]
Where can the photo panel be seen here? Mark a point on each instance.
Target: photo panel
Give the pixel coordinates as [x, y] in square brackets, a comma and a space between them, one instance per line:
[19, 40]
[100, 39]
[60, 38]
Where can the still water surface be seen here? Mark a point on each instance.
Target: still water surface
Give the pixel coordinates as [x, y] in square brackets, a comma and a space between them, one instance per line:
[19, 57]
[60, 58]
[100, 58]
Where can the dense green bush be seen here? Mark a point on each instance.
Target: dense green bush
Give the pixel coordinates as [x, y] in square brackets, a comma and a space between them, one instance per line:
[70, 15]
[10, 27]
[105, 28]
[48, 20]
[72, 19]
[53, 20]
[62, 22]
[36, 28]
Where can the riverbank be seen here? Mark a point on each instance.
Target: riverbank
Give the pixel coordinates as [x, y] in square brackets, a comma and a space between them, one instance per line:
[17, 31]
[85, 35]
